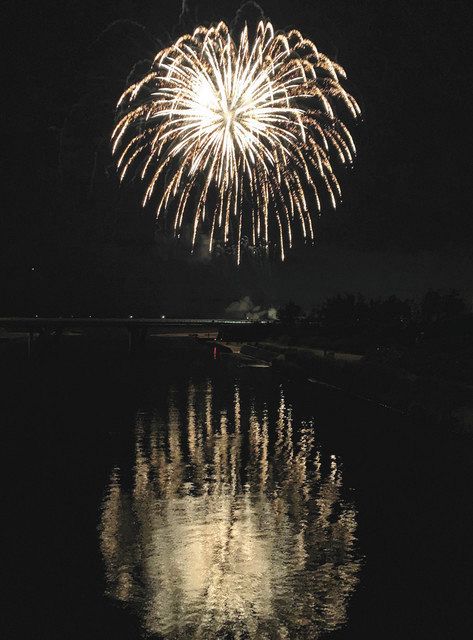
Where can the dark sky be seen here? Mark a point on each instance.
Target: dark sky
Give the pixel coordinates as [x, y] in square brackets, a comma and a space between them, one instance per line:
[405, 224]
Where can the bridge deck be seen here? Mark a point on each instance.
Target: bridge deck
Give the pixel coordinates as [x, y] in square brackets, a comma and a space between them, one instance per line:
[31, 324]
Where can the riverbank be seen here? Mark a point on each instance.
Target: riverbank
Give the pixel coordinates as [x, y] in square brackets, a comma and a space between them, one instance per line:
[433, 400]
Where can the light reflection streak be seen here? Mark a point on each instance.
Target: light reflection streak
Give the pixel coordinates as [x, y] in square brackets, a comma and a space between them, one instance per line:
[233, 522]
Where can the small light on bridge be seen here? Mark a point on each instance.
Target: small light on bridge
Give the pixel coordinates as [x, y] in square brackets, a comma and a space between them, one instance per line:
[130, 316]
[163, 317]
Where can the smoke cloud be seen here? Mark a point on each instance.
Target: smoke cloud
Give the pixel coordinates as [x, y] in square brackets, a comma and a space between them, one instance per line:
[244, 309]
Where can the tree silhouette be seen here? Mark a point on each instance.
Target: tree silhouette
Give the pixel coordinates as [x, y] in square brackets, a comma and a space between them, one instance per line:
[290, 313]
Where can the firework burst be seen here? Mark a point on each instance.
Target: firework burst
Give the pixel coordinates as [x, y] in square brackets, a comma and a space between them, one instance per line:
[238, 134]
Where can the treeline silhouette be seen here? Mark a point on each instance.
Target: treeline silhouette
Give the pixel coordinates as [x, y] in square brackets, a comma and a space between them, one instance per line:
[387, 319]
[432, 336]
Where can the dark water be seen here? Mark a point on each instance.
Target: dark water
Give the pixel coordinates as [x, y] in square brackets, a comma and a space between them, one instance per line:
[176, 496]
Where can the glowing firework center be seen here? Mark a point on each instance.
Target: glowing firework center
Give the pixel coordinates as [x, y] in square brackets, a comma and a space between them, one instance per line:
[238, 136]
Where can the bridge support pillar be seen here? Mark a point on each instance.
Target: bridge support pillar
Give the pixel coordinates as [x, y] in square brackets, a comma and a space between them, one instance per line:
[130, 340]
[30, 341]
[136, 337]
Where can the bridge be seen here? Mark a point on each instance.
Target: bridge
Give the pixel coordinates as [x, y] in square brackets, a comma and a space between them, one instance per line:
[137, 328]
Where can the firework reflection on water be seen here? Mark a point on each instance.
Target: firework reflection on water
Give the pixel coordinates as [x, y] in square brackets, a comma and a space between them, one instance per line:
[232, 522]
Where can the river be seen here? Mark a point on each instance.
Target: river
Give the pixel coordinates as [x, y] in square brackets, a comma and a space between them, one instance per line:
[183, 496]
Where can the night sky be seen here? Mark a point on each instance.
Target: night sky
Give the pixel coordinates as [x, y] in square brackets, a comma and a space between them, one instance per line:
[405, 224]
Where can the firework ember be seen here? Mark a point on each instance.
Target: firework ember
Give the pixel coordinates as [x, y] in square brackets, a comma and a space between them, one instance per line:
[238, 134]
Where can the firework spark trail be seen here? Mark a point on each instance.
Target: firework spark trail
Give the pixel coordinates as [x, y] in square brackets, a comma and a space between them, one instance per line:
[240, 133]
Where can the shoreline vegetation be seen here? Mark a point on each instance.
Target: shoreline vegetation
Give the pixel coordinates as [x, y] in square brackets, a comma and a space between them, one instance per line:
[415, 357]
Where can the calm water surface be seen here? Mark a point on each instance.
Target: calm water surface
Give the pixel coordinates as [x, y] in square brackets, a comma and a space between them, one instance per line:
[181, 497]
